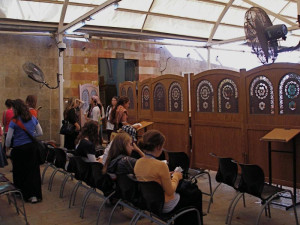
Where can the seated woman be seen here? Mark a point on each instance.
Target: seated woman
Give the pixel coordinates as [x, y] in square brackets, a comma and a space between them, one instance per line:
[86, 141]
[148, 168]
[118, 160]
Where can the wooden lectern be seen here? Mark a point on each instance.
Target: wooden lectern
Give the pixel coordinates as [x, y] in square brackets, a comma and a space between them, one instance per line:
[144, 126]
[282, 135]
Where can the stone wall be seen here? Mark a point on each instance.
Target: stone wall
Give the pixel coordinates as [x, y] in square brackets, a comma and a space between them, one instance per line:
[80, 67]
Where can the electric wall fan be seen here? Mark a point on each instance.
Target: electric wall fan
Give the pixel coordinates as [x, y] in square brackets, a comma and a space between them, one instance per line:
[263, 36]
[36, 74]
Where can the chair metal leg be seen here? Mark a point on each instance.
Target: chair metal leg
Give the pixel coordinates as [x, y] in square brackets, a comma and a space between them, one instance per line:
[84, 201]
[112, 212]
[44, 171]
[72, 193]
[51, 179]
[75, 192]
[232, 208]
[294, 206]
[133, 218]
[211, 198]
[101, 206]
[15, 202]
[244, 201]
[62, 187]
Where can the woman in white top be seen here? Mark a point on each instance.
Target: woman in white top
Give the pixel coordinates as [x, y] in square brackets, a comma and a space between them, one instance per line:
[98, 115]
[109, 125]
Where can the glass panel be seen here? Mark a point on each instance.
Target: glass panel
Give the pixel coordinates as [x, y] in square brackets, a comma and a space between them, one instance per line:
[146, 97]
[261, 96]
[159, 97]
[130, 96]
[123, 91]
[175, 98]
[205, 97]
[289, 94]
[228, 97]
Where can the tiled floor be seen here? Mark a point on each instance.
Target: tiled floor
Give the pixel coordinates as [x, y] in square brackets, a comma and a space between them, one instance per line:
[54, 210]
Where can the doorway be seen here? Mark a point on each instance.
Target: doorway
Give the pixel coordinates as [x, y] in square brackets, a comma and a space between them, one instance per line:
[111, 72]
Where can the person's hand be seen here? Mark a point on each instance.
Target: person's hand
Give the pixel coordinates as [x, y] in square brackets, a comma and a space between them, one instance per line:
[178, 174]
[77, 127]
[135, 147]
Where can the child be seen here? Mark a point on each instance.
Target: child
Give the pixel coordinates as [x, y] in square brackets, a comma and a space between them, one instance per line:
[3, 160]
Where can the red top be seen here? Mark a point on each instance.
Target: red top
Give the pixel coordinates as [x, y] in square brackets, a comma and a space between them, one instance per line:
[33, 112]
[6, 118]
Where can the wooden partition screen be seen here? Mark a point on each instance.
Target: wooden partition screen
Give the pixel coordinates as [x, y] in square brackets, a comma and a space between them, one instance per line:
[144, 100]
[217, 117]
[128, 88]
[169, 109]
[273, 101]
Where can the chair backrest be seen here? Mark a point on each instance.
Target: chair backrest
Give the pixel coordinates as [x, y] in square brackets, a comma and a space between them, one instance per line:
[50, 157]
[127, 189]
[178, 159]
[82, 169]
[152, 195]
[227, 172]
[60, 158]
[252, 180]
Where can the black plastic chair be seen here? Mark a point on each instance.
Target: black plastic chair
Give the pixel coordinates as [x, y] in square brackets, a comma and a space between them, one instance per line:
[8, 189]
[227, 174]
[97, 181]
[154, 198]
[81, 174]
[50, 157]
[127, 191]
[181, 159]
[253, 183]
[59, 165]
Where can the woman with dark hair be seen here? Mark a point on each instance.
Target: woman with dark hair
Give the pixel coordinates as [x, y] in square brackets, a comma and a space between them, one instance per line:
[71, 116]
[149, 168]
[109, 124]
[118, 160]
[25, 155]
[86, 142]
[31, 102]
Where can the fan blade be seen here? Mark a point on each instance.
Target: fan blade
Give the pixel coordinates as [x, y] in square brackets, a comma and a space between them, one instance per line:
[262, 38]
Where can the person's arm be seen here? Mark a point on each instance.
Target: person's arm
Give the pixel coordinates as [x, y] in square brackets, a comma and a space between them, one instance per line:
[102, 113]
[169, 184]
[9, 137]
[124, 118]
[138, 150]
[38, 130]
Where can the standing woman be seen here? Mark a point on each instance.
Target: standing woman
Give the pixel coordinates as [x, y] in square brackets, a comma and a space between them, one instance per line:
[101, 117]
[8, 114]
[71, 116]
[25, 155]
[31, 102]
[109, 124]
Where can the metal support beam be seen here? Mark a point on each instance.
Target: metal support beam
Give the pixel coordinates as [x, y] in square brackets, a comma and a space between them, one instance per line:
[147, 16]
[63, 14]
[213, 31]
[87, 15]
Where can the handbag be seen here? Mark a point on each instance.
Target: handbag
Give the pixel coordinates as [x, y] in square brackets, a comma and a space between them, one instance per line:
[41, 148]
[188, 188]
[67, 128]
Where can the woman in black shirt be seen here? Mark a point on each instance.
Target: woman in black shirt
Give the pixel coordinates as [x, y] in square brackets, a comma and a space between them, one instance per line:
[86, 141]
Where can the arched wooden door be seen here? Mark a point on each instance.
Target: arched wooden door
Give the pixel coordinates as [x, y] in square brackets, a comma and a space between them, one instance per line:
[86, 91]
[217, 117]
[170, 110]
[128, 88]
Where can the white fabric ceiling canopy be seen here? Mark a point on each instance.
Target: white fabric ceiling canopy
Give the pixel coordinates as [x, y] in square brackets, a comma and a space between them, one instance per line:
[205, 20]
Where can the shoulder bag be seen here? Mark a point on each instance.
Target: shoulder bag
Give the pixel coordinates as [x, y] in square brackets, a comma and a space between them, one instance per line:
[67, 128]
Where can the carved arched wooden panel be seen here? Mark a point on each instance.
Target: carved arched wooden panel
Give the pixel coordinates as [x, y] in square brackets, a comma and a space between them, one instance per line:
[123, 92]
[159, 97]
[130, 96]
[289, 100]
[205, 97]
[175, 98]
[261, 96]
[146, 97]
[228, 97]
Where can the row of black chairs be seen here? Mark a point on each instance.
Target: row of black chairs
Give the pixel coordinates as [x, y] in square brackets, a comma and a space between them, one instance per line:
[251, 181]
[8, 189]
[89, 176]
